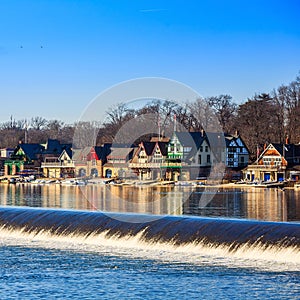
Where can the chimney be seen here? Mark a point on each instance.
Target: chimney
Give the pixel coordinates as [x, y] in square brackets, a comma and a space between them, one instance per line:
[287, 140]
[236, 133]
[202, 132]
[265, 146]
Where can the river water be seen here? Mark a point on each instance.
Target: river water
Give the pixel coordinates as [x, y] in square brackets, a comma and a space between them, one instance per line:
[246, 203]
[47, 264]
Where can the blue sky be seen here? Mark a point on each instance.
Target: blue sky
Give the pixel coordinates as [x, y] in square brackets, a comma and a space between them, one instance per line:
[57, 55]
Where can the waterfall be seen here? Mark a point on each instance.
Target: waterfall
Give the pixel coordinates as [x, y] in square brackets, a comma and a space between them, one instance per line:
[228, 236]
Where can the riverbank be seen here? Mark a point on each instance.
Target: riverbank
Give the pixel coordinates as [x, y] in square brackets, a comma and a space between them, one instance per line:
[15, 179]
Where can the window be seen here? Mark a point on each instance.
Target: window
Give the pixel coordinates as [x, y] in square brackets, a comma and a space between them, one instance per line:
[157, 160]
[199, 159]
[187, 149]
[201, 148]
[242, 159]
[208, 158]
[206, 148]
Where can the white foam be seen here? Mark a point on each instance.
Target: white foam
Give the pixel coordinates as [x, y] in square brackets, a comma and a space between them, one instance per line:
[271, 258]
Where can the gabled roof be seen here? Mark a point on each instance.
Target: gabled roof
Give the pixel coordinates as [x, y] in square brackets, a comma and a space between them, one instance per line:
[31, 150]
[103, 151]
[120, 152]
[217, 139]
[55, 147]
[149, 147]
[68, 152]
[81, 153]
[235, 138]
[52, 145]
[288, 151]
[163, 146]
[231, 142]
[190, 139]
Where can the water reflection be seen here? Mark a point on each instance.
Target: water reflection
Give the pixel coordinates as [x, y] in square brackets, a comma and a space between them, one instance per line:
[250, 203]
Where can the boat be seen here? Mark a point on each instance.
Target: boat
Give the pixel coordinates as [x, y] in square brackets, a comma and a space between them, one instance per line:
[269, 184]
[4, 180]
[297, 186]
[80, 182]
[38, 181]
[186, 183]
[13, 180]
[69, 182]
[50, 181]
[73, 181]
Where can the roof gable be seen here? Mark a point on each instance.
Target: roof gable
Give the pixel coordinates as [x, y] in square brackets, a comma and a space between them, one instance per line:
[163, 146]
[190, 139]
[86, 153]
[239, 142]
[149, 147]
[30, 150]
[103, 151]
[65, 155]
[233, 143]
[217, 140]
[55, 147]
[120, 152]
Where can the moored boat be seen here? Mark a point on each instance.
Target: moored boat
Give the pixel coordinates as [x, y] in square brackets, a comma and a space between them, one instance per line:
[69, 182]
[297, 186]
[270, 184]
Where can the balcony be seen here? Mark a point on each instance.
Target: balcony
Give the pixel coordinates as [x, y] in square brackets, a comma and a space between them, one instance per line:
[145, 165]
[266, 167]
[154, 165]
[57, 164]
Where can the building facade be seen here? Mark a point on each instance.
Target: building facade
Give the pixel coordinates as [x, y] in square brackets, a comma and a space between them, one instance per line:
[278, 162]
[149, 159]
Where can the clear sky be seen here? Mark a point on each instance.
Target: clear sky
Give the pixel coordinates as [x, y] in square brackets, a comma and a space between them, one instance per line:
[57, 55]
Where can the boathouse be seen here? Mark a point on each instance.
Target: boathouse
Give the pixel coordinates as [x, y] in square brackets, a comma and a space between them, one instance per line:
[277, 162]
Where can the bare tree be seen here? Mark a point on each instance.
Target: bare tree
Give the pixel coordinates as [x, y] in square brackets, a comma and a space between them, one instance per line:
[116, 116]
[201, 116]
[85, 134]
[38, 123]
[225, 109]
[293, 109]
[53, 128]
[256, 119]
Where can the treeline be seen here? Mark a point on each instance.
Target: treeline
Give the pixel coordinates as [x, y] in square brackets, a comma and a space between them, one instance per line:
[264, 118]
[35, 130]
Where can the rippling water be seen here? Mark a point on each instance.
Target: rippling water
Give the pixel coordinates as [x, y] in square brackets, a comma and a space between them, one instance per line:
[37, 273]
[249, 203]
[40, 266]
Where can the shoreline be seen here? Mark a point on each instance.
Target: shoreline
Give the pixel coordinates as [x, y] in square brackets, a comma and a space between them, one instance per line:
[136, 183]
